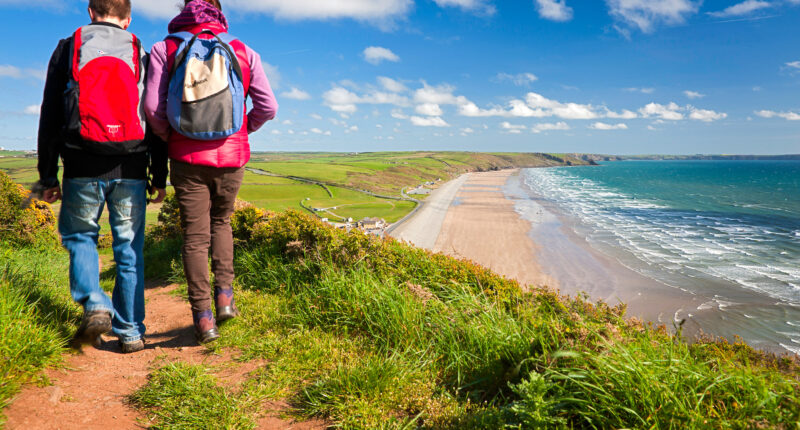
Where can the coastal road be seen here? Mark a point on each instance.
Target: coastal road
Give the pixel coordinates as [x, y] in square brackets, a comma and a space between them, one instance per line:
[423, 228]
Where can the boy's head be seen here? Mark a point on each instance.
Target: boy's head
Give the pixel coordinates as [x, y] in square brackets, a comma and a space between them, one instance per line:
[113, 11]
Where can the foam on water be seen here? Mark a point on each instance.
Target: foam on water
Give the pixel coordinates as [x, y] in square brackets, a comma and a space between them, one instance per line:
[752, 250]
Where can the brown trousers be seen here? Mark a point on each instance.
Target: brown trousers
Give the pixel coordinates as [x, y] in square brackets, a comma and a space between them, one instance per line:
[206, 196]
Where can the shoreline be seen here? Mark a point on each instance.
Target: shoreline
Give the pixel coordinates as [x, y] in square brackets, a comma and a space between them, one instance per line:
[495, 220]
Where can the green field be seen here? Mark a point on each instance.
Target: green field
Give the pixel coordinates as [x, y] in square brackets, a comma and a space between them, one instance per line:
[346, 175]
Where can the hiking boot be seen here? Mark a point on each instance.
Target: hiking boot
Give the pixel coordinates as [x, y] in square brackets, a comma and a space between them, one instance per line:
[132, 346]
[205, 328]
[93, 324]
[226, 305]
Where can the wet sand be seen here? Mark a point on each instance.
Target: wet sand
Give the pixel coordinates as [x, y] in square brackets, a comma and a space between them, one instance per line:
[482, 225]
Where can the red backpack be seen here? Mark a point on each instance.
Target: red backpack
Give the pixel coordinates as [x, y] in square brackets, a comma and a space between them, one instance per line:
[105, 94]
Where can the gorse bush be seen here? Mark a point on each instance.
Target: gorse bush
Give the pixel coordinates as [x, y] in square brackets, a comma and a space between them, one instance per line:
[22, 221]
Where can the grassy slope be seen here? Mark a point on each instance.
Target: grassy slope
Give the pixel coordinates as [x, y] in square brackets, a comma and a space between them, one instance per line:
[374, 334]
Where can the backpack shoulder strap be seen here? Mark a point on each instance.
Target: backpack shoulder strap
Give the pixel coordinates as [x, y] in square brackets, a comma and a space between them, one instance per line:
[76, 52]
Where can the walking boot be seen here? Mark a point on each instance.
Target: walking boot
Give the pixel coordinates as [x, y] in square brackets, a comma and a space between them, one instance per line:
[205, 328]
[226, 305]
[93, 324]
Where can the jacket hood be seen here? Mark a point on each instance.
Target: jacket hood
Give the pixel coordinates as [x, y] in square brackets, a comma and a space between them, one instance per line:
[195, 13]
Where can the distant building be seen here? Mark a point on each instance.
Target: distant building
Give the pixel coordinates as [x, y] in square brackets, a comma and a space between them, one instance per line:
[369, 224]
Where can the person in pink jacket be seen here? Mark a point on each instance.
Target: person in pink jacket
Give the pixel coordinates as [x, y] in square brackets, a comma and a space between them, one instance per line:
[207, 174]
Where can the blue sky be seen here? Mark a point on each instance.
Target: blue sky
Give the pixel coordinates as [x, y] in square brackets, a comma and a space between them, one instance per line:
[600, 76]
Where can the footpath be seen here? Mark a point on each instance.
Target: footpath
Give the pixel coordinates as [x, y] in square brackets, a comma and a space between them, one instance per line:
[91, 390]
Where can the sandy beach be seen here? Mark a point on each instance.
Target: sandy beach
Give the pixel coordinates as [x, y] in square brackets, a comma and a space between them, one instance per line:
[482, 225]
[476, 217]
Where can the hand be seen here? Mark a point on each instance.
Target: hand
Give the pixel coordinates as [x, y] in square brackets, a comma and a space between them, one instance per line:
[52, 195]
[160, 193]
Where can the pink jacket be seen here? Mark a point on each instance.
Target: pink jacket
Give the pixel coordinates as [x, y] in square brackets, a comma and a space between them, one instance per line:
[233, 151]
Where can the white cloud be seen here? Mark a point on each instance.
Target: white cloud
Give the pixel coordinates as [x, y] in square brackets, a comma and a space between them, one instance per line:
[376, 55]
[273, 74]
[398, 114]
[538, 128]
[275, 132]
[8, 71]
[790, 116]
[512, 128]
[375, 11]
[32, 110]
[647, 14]
[342, 100]
[316, 116]
[286, 122]
[468, 130]
[706, 115]
[624, 114]
[603, 126]
[318, 131]
[296, 94]
[429, 109]
[693, 94]
[554, 10]
[482, 6]
[433, 121]
[744, 8]
[667, 112]
[392, 85]
[640, 90]
[520, 79]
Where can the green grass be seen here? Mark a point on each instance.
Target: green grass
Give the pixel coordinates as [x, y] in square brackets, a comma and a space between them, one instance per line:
[182, 396]
[373, 334]
[37, 315]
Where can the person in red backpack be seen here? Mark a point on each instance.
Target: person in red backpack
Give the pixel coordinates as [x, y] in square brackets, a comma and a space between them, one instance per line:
[206, 172]
[92, 118]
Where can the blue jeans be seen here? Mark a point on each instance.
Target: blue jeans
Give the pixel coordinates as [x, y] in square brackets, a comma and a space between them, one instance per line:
[83, 201]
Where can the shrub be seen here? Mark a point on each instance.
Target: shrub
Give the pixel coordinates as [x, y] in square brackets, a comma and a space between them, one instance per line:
[21, 223]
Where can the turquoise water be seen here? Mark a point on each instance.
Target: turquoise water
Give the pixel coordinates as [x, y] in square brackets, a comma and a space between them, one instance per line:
[714, 228]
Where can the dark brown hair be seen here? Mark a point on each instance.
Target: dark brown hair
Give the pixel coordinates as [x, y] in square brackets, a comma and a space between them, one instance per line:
[214, 3]
[111, 8]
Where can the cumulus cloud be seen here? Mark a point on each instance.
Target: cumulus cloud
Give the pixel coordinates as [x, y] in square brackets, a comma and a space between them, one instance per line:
[790, 116]
[8, 71]
[624, 114]
[668, 112]
[433, 121]
[508, 126]
[520, 79]
[342, 100]
[376, 55]
[646, 15]
[706, 115]
[376, 11]
[604, 127]
[296, 94]
[740, 9]
[693, 94]
[429, 109]
[538, 128]
[554, 10]
[482, 6]
[392, 85]
[640, 90]
[32, 110]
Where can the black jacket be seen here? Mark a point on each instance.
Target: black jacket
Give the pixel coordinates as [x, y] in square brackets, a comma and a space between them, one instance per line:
[84, 164]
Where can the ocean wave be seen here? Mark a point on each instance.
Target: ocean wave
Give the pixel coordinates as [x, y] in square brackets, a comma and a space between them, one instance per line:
[753, 252]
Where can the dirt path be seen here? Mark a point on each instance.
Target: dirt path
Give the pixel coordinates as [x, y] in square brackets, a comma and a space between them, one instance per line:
[90, 391]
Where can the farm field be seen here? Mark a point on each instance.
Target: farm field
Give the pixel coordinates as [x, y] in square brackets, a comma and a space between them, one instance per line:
[345, 180]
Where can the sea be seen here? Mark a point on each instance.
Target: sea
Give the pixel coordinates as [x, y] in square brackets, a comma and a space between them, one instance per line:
[725, 234]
